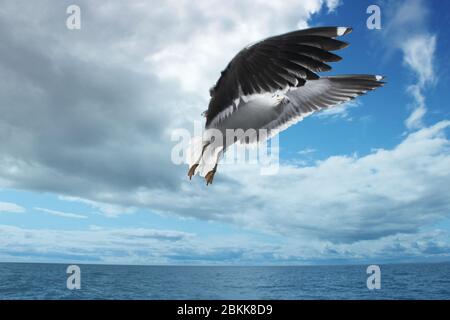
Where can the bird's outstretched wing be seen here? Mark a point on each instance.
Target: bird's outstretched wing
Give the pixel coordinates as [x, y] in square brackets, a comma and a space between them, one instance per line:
[320, 94]
[274, 64]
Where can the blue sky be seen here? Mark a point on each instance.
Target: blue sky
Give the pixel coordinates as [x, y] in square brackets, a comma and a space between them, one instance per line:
[87, 115]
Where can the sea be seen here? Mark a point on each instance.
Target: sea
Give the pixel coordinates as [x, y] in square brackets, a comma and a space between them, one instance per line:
[395, 281]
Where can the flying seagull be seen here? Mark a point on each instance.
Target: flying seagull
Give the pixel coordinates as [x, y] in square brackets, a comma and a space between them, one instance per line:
[272, 85]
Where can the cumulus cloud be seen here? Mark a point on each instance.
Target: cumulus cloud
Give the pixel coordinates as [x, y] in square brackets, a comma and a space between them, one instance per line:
[341, 199]
[217, 35]
[72, 122]
[89, 113]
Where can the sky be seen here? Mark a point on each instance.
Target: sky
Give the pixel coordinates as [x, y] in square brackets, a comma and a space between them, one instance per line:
[86, 127]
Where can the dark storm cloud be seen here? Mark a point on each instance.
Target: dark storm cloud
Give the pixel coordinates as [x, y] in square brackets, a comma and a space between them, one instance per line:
[75, 125]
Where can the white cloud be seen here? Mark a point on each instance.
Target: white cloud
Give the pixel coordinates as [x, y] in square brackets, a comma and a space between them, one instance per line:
[105, 119]
[196, 60]
[307, 151]
[414, 120]
[105, 111]
[107, 209]
[340, 199]
[149, 246]
[418, 54]
[135, 245]
[341, 111]
[61, 213]
[407, 31]
[11, 207]
[343, 198]
[333, 4]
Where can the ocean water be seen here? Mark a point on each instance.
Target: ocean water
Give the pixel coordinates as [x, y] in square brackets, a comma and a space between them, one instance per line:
[48, 281]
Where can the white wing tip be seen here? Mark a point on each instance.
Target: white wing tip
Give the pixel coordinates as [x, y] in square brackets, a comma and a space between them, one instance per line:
[341, 31]
[379, 78]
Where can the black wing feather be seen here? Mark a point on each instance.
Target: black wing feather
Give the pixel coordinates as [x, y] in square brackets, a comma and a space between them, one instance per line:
[278, 62]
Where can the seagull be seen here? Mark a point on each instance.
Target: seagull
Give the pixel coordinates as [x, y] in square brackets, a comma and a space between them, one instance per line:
[272, 85]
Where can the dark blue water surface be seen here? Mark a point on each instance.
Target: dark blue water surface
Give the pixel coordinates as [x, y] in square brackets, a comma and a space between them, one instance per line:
[48, 281]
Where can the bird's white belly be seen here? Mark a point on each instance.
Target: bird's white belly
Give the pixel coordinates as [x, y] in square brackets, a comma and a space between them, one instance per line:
[253, 114]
